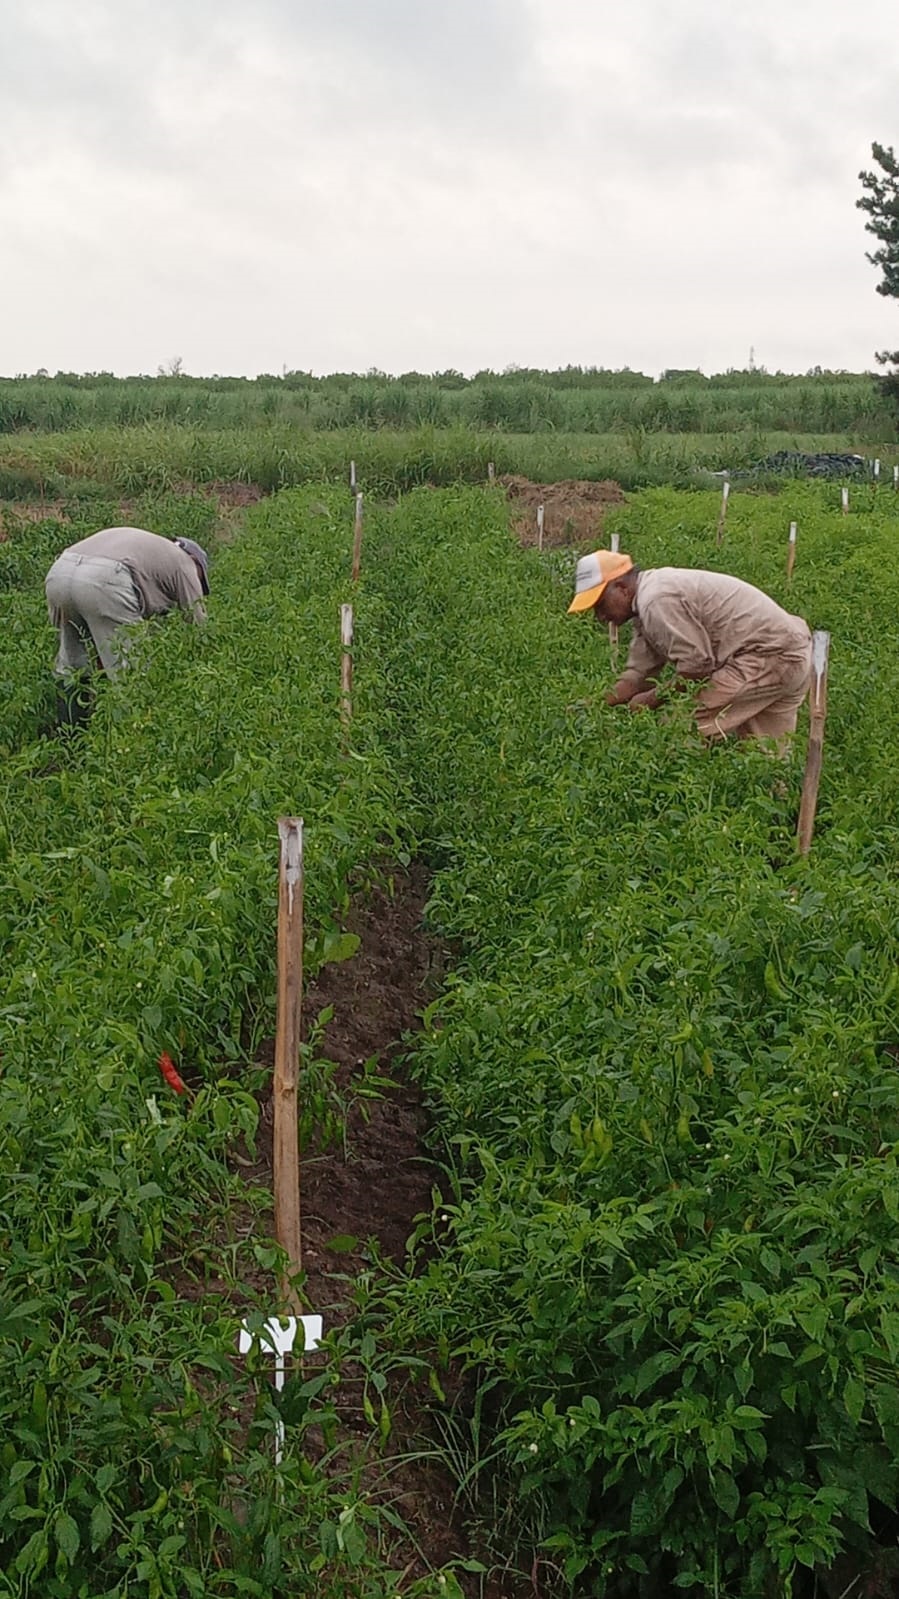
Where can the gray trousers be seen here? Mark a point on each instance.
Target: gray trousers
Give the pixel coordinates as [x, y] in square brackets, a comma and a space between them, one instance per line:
[90, 595]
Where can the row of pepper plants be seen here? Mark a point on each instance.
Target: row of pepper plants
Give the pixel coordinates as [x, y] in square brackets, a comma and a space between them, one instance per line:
[138, 865]
[663, 1074]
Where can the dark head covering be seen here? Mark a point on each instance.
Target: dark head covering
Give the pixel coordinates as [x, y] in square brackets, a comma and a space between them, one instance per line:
[198, 554]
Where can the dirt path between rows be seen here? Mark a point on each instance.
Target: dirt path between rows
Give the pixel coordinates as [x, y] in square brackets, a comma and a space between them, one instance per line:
[371, 1189]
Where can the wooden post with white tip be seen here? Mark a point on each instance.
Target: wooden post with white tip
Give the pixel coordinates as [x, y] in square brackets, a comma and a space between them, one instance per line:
[357, 539]
[791, 551]
[725, 495]
[818, 709]
[346, 669]
[285, 1148]
[613, 626]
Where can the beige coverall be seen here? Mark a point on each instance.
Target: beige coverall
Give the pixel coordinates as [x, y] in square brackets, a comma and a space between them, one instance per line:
[755, 656]
[110, 579]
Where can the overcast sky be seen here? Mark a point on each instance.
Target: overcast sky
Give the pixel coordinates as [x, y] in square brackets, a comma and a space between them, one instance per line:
[255, 185]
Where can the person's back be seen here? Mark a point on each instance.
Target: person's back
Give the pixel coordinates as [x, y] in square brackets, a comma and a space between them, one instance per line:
[164, 575]
[700, 620]
[114, 578]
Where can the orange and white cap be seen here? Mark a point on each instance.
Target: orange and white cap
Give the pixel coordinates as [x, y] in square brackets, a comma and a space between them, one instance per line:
[593, 573]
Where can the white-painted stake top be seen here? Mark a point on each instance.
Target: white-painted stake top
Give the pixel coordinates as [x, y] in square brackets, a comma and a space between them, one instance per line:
[277, 1337]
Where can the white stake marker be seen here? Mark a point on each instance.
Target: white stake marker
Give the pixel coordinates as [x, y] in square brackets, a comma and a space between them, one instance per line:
[844, 494]
[491, 472]
[357, 539]
[818, 708]
[277, 1337]
[352, 477]
[613, 626]
[791, 551]
[346, 665]
[540, 512]
[896, 477]
[877, 467]
[725, 495]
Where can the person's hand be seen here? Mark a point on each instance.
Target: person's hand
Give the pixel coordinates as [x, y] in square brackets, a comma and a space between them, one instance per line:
[647, 701]
[619, 695]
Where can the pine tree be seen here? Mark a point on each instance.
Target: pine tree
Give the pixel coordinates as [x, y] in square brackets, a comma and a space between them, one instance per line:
[881, 202]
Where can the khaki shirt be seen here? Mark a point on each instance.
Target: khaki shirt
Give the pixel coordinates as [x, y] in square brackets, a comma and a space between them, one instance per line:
[163, 574]
[697, 621]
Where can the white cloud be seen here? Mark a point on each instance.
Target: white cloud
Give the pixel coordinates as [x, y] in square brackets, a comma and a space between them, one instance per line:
[413, 183]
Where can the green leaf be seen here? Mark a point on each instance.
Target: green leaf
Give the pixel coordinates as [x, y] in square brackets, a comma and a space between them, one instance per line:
[342, 1243]
[67, 1535]
[813, 1322]
[340, 946]
[33, 1558]
[725, 1492]
[886, 1405]
[644, 1512]
[748, 1416]
[352, 1538]
[101, 1524]
[271, 1556]
[854, 1399]
[655, 1367]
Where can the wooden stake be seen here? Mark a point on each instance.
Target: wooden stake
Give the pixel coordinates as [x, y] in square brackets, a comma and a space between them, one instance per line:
[346, 667]
[357, 540]
[491, 472]
[613, 626]
[791, 551]
[286, 1152]
[725, 492]
[818, 707]
[844, 494]
[540, 514]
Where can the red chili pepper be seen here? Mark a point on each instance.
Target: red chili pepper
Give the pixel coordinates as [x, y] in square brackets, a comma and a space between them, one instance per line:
[167, 1067]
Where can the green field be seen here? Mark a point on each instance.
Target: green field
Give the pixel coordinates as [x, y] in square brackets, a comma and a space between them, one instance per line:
[571, 400]
[90, 466]
[655, 1311]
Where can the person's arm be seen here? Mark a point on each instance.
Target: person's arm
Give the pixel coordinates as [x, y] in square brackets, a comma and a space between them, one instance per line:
[187, 591]
[643, 662]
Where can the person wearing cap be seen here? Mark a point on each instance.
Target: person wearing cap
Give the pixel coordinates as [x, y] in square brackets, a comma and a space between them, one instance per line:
[752, 657]
[115, 577]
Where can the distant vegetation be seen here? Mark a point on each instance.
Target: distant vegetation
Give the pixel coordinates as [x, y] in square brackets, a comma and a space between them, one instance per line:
[584, 400]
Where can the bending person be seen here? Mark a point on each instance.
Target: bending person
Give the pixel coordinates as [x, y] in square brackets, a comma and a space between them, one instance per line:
[115, 577]
[752, 656]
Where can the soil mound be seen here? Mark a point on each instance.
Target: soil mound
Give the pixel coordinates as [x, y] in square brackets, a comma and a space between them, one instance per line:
[573, 510]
